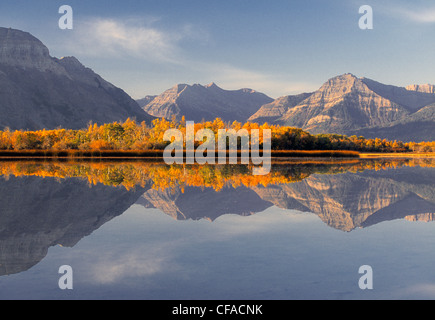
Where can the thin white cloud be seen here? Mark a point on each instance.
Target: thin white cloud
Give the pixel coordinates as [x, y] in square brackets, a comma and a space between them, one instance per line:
[118, 37]
[103, 37]
[145, 41]
[403, 12]
[424, 16]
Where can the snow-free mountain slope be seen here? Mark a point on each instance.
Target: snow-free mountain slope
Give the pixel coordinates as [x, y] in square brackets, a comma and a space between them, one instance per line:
[39, 91]
[197, 102]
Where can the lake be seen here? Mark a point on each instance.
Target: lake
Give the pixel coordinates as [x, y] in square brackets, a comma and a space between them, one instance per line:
[138, 230]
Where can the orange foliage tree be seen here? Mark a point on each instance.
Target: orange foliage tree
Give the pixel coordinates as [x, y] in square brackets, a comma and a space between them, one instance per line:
[130, 135]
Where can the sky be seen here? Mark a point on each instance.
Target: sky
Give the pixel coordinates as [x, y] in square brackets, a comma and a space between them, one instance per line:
[278, 47]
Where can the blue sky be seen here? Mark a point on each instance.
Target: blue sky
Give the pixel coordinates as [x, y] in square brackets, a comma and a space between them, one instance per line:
[278, 47]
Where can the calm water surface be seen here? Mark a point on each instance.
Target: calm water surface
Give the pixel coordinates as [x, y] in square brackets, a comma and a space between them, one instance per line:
[148, 231]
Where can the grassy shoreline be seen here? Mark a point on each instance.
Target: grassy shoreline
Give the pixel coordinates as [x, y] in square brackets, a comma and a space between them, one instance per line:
[376, 155]
[158, 154]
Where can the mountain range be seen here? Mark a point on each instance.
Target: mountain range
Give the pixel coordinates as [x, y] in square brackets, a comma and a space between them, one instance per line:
[197, 103]
[358, 106]
[39, 91]
[344, 104]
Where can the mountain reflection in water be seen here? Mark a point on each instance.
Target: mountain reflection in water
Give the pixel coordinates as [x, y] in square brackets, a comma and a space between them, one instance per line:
[48, 203]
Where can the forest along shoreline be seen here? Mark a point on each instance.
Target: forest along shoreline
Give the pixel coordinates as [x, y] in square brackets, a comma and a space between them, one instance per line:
[131, 140]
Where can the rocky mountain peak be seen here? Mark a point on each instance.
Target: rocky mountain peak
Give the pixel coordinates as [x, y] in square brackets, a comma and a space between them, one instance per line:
[40, 91]
[178, 88]
[211, 85]
[349, 105]
[341, 84]
[71, 62]
[206, 102]
[19, 45]
[21, 49]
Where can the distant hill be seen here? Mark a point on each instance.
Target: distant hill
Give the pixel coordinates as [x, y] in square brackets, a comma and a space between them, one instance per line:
[39, 91]
[144, 101]
[197, 102]
[349, 105]
[273, 111]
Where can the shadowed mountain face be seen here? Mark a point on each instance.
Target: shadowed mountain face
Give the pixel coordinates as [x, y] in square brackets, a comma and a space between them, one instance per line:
[275, 110]
[38, 91]
[39, 213]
